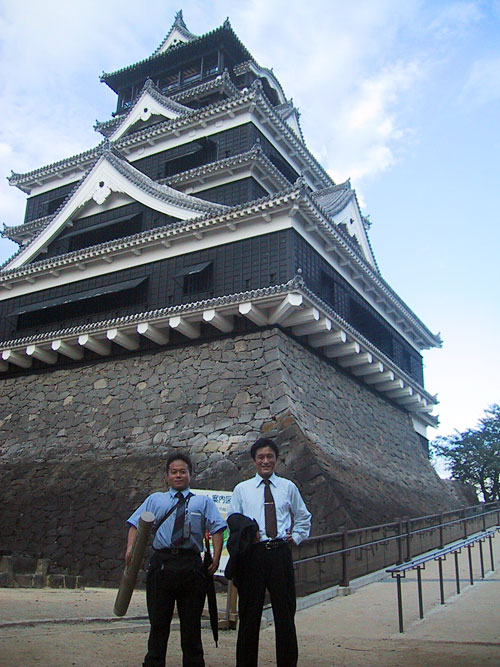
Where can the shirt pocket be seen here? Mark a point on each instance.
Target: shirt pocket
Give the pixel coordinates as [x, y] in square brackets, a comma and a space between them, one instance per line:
[196, 521]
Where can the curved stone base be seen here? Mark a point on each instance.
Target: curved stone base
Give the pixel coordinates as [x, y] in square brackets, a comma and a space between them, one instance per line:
[81, 447]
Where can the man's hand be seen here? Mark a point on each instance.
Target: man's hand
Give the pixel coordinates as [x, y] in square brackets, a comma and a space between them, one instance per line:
[212, 569]
[130, 543]
[128, 556]
[290, 539]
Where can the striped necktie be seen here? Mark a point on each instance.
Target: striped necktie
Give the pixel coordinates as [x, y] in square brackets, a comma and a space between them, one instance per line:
[180, 514]
[269, 510]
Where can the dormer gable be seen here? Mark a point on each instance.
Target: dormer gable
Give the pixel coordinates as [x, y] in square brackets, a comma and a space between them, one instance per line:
[290, 114]
[113, 181]
[150, 107]
[177, 34]
[340, 204]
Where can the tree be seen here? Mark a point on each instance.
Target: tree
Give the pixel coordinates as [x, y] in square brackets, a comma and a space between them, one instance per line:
[473, 457]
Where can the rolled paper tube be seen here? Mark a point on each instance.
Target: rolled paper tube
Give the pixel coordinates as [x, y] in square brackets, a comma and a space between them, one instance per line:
[129, 576]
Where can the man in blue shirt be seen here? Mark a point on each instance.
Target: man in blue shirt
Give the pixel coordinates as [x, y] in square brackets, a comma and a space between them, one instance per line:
[176, 572]
[277, 506]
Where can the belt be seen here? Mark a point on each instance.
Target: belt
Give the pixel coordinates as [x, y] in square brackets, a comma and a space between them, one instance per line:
[273, 544]
[175, 551]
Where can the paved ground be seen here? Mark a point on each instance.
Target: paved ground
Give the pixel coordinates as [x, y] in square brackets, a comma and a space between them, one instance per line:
[59, 628]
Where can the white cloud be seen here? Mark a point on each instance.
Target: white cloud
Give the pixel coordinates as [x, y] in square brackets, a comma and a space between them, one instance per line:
[366, 128]
[483, 82]
[454, 19]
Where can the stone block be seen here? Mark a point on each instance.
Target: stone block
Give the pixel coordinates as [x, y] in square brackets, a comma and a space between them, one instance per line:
[6, 580]
[23, 580]
[23, 564]
[39, 581]
[55, 580]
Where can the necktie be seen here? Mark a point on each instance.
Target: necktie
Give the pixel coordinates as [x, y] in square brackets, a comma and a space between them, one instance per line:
[269, 510]
[178, 529]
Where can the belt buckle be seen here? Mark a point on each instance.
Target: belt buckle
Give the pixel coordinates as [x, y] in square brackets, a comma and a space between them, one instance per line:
[268, 544]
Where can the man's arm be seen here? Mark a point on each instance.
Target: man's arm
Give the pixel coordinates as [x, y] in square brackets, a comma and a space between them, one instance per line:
[235, 506]
[301, 518]
[130, 542]
[217, 539]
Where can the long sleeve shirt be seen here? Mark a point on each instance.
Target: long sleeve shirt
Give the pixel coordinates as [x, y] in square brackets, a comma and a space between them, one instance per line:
[291, 513]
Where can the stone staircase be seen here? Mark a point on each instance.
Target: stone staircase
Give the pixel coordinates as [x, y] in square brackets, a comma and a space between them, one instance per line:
[23, 571]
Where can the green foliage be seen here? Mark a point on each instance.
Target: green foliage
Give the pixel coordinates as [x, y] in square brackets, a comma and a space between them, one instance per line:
[473, 457]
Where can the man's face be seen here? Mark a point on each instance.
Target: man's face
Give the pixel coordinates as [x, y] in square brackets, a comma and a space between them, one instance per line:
[265, 461]
[178, 475]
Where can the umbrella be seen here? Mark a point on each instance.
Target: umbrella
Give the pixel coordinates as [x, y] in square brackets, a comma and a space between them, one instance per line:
[212, 600]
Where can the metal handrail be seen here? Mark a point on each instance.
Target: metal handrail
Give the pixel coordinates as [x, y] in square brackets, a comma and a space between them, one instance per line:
[398, 572]
[404, 534]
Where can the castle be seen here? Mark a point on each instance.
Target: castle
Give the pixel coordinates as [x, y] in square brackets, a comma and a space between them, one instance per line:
[197, 280]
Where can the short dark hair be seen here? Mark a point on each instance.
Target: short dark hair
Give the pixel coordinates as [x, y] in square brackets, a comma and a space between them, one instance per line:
[179, 456]
[264, 442]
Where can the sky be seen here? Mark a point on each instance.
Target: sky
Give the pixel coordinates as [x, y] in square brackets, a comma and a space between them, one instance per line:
[400, 96]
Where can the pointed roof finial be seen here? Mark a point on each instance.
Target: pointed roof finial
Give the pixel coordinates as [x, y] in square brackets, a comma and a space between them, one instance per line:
[177, 34]
[179, 19]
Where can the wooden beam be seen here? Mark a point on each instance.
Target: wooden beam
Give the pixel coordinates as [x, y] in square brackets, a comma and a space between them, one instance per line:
[322, 325]
[47, 356]
[281, 312]
[153, 333]
[4, 366]
[253, 313]
[302, 317]
[17, 358]
[343, 350]
[69, 350]
[128, 341]
[368, 369]
[102, 347]
[397, 383]
[386, 376]
[401, 392]
[186, 328]
[328, 338]
[411, 399]
[217, 320]
[356, 359]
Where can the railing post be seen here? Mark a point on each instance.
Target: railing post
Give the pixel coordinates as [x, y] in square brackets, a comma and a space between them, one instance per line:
[400, 543]
[464, 516]
[345, 564]
[484, 519]
[441, 533]
[408, 540]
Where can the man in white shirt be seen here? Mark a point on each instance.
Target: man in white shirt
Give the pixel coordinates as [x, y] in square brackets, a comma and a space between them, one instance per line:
[277, 506]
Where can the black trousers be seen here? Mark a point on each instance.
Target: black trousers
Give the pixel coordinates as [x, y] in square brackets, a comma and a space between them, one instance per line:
[272, 569]
[175, 578]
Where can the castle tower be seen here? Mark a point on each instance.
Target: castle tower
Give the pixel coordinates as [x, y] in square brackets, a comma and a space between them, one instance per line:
[194, 280]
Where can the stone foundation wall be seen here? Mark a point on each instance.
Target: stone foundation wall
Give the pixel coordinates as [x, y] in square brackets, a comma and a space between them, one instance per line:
[81, 448]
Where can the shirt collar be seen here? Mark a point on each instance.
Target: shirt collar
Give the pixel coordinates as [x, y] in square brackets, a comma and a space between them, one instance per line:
[259, 479]
[173, 492]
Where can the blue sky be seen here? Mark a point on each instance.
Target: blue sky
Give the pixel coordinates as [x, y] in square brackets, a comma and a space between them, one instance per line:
[402, 96]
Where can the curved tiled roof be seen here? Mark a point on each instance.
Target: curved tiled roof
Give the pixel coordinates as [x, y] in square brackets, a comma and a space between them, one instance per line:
[107, 77]
[18, 232]
[298, 195]
[254, 155]
[332, 200]
[253, 95]
[263, 72]
[161, 191]
[221, 82]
